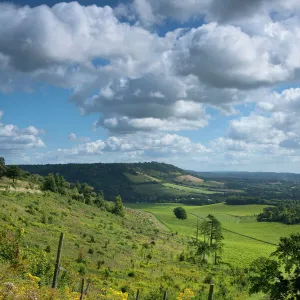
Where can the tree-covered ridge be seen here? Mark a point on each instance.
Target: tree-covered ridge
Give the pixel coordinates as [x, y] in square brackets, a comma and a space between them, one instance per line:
[136, 182]
[109, 178]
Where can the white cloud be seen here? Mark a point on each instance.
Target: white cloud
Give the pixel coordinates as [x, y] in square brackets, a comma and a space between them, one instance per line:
[73, 137]
[224, 56]
[257, 129]
[46, 36]
[13, 138]
[150, 12]
[147, 144]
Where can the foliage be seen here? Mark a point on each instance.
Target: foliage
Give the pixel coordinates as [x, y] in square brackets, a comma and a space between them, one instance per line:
[147, 182]
[49, 183]
[119, 209]
[180, 213]
[10, 245]
[13, 172]
[212, 238]
[287, 212]
[279, 277]
[117, 244]
[2, 167]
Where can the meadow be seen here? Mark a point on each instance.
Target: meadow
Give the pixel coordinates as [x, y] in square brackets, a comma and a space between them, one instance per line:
[238, 250]
[187, 189]
[125, 254]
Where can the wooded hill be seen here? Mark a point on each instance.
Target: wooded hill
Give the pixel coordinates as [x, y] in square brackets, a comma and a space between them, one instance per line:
[134, 182]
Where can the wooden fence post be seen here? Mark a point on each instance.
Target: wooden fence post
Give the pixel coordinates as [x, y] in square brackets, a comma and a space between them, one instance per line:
[56, 270]
[197, 229]
[82, 289]
[137, 295]
[165, 295]
[87, 287]
[211, 292]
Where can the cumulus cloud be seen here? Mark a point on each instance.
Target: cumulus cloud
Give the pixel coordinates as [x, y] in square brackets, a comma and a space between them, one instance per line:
[143, 86]
[283, 109]
[46, 36]
[151, 144]
[271, 133]
[146, 104]
[13, 138]
[150, 12]
[144, 76]
[73, 137]
[224, 56]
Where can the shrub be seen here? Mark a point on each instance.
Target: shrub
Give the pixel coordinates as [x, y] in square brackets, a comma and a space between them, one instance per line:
[48, 249]
[180, 213]
[181, 256]
[131, 274]
[82, 270]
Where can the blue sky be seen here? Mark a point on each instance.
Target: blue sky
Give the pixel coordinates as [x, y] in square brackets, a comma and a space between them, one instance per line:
[203, 86]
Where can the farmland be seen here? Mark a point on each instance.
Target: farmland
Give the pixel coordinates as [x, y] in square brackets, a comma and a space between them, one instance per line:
[238, 250]
[189, 189]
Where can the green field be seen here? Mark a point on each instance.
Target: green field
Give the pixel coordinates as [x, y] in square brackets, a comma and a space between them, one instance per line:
[141, 178]
[107, 248]
[188, 189]
[238, 250]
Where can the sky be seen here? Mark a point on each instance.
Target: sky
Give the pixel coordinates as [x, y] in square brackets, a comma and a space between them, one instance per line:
[210, 85]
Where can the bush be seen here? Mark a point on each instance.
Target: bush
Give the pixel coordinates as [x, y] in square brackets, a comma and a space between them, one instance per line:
[48, 249]
[82, 270]
[180, 213]
[181, 256]
[119, 209]
[131, 274]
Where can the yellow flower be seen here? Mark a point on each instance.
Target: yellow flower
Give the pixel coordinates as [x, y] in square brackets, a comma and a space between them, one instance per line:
[31, 278]
[187, 294]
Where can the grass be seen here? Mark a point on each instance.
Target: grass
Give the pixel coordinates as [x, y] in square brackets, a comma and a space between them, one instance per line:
[141, 178]
[238, 250]
[122, 245]
[158, 189]
[188, 179]
[18, 185]
[190, 190]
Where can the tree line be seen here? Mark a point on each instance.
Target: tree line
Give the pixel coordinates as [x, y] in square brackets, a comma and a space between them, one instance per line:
[287, 212]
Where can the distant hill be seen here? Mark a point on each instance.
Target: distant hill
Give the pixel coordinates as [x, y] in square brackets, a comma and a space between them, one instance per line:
[135, 182]
[258, 176]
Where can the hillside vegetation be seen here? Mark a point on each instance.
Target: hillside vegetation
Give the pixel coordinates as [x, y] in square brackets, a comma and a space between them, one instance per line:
[112, 252]
[138, 182]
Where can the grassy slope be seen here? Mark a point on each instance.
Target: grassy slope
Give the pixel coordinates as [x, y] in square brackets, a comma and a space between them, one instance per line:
[118, 241]
[188, 179]
[18, 185]
[141, 178]
[238, 250]
[188, 189]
